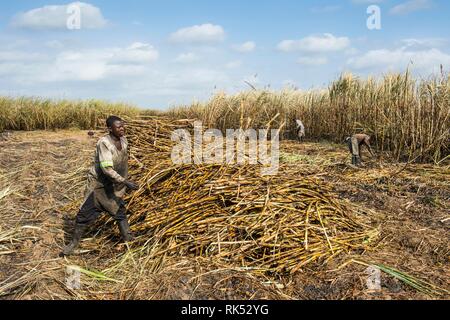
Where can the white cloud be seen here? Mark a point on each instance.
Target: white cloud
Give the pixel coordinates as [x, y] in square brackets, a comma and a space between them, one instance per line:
[322, 43]
[313, 61]
[197, 78]
[54, 44]
[120, 73]
[83, 65]
[78, 66]
[233, 64]
[21, 71]
[351, 51]
[398, 59]
[56, 16]
[187, 58]
[19, 56]
[11, 42]
[199, 34]
[245, 47]
[136, 53]
[425, 42]
[411, 6]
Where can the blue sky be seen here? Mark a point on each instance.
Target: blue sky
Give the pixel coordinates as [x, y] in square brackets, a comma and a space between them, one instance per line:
[162, 53]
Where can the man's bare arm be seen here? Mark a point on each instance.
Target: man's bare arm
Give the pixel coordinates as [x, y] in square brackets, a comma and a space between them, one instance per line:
[367, 143]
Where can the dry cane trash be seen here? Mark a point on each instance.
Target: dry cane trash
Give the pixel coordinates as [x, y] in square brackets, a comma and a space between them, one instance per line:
[230, 213]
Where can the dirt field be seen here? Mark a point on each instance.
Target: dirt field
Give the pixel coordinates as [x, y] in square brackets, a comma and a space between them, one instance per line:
[41, 173]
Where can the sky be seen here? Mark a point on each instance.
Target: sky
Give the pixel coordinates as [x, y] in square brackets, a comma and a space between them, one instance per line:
[158, 54]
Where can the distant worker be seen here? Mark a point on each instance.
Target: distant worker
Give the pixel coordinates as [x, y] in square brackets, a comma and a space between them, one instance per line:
[5, 135]
[355, 143]
[107, 184]
[300, 129]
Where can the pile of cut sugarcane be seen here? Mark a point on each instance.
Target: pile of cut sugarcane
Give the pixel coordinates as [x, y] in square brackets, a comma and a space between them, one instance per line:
[231, 213]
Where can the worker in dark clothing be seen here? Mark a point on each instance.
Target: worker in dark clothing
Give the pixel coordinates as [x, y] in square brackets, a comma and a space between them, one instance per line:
[107, 184]
[355, 143]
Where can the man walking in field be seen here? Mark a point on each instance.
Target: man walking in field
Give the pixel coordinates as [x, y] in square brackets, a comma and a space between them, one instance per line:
[107, 184]
[355, 143]
[300, 129]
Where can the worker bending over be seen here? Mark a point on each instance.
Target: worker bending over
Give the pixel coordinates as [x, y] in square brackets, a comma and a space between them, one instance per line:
[355, 143]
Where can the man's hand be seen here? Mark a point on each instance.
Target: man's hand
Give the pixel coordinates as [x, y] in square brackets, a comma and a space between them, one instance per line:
[131, 185]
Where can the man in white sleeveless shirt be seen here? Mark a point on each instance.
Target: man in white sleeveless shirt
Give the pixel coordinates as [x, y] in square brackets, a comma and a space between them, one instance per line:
[300, 129]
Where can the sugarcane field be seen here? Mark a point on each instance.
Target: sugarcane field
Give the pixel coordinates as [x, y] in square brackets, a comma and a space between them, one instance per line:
[258, 193]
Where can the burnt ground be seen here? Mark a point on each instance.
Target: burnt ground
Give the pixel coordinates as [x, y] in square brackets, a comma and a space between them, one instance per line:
[43, 173]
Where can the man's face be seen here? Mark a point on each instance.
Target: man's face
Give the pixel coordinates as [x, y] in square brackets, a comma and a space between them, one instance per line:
[118, 129]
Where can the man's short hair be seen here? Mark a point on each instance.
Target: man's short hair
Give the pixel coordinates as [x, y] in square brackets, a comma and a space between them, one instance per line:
[110, 121]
